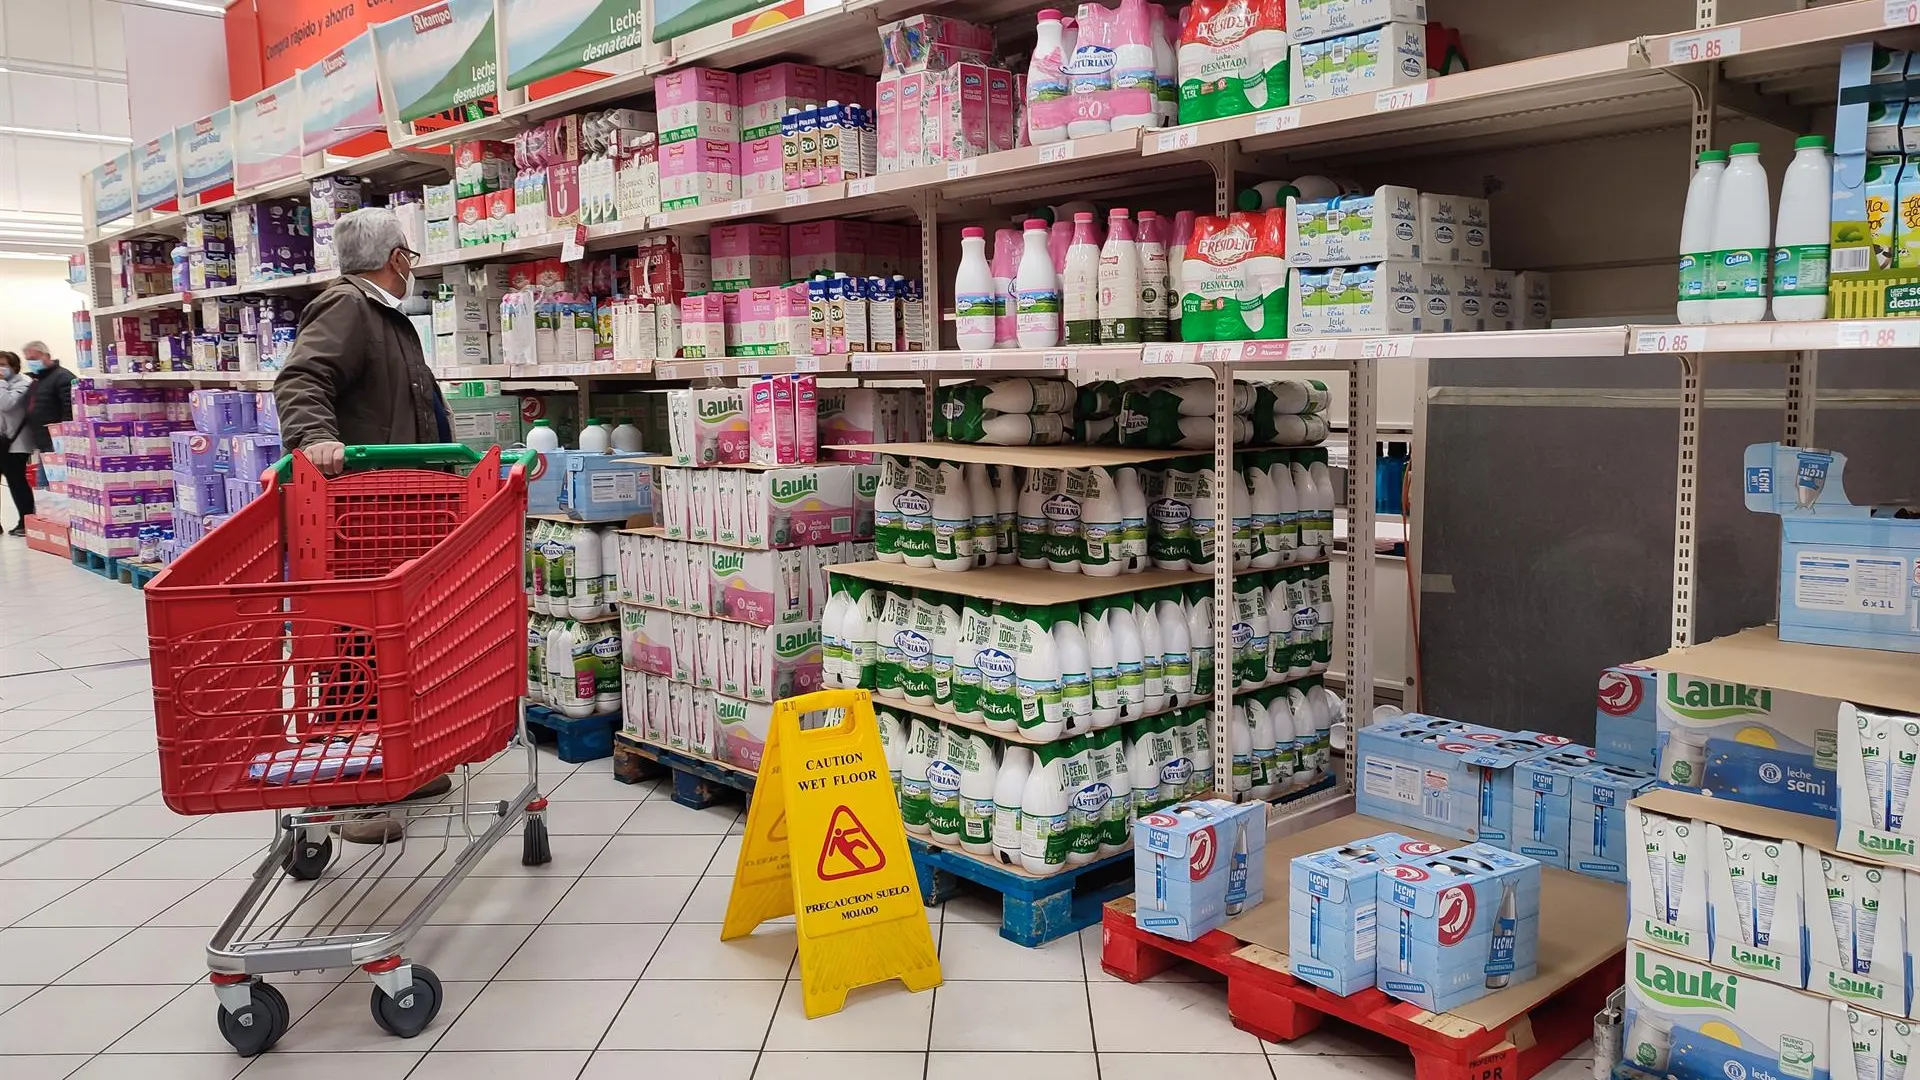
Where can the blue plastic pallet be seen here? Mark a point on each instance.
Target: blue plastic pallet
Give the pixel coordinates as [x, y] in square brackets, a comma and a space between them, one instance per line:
[104, 565]
[137, 574]
[697, 783]
[578, 739]
[1033, 910]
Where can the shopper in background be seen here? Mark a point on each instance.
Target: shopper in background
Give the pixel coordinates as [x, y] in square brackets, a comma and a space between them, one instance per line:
[356, 375]
[51, 400]
[16, 441]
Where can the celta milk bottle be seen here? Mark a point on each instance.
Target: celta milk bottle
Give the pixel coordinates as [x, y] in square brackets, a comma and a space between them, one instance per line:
[1006, 495]
[1103, 664]
[1037, 676]
[975, 634]
[1043, 812]
[915, 502]
[1076, 670]
[1037, 291]
[1803, 234]
[886, 508]
[1102, 523]
[916, 796]
[1080, 285]
[973, 754]
[1696, 237]
[981, 503]
[952, 507]
[1121, 320]
[1177, 646]
[1133, 519]
[1009, 786]
[1742, 239]
[975, 304]
[943, 787]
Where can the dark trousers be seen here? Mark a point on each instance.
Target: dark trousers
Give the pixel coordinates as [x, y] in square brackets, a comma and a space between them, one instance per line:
[15, 466]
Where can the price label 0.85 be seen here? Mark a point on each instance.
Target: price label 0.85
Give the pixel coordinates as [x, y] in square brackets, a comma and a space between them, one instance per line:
[1674, 340]
[1703, 46]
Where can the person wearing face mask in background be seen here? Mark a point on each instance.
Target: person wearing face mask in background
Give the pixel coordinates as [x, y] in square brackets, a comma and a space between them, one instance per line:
[356, 375]
[16, 436]
[51, 400]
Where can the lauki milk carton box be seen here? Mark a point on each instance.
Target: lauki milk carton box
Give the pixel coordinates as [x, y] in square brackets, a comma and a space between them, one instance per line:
[798, 507]
[1754, 901]
[1332, 917]
[1864, 1043]
[740, 730]
[1877, 752]
[1857, 951]
[646, 639]
[1687, 1019]
[708, 427]
[702, 506]
[676, 494]
[1667, 882]
[765, 588]
[699, 598]
[779, 661]
[1458, 926]
[729, 506]
[674, 587]
[1751, 744]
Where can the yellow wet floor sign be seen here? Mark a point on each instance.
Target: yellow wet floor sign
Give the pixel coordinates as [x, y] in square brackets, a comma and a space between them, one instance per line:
[824, 842]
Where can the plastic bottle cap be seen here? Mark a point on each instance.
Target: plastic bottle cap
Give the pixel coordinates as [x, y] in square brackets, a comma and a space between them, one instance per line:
[1050, 13]
[1117, 213]
[1080, 217]
[1248, 200]
[1739, 148]
[973, 232]
[1809, 142]
[1036, 223]
[541, 423]
[1712, 155]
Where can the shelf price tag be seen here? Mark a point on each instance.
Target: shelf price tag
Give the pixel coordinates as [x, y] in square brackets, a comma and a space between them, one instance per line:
[1266, 123]
[1311, 349]
[739, 206]
[656, 221]
[1057, 361]
[1901, 13]
[864, 185]
[713, 369]
[1674, 340]
[960, 170]
[1180, 138]
[920, 362]
[804, 364]
[747, 367]
[798, 197]
[1875, 335]
[1375, 348]
[975, 362]
[573, 247]
[1052, 152]
[1160, 354]
[862, 362]
[1400, 97]
[1706, 45]
[1224, 352]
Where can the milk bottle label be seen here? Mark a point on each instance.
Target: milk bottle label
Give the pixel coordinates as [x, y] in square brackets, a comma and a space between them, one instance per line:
[943, 797]
[1799, 270]
[999, 700]
[1037, 311]
[916, 654]
[1740, 273]
[1087, 806]
[1062, 512]
[974, 312]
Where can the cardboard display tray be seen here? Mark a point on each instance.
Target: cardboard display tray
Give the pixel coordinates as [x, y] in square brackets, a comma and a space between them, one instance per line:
[1757, 657]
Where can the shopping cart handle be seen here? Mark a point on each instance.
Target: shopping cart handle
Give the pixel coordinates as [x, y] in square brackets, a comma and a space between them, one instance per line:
[410, 455]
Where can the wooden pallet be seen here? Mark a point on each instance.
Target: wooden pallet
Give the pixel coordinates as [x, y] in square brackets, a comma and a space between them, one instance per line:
[1265, 999]
[137, 574]
[577, 738]
[697, 782]
[1033, 909]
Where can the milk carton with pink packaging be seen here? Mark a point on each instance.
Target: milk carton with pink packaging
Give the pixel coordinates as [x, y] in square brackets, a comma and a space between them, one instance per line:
[697, 104]
[806, 417]
[703, 325]
[698, 172]
[745, 256]
[770, 421]
[707, 427]
[762, 166]
[729, 505]
[754, 327]
[700, 507]
[794, 321]
[886, 121]
[765, 588]
[912, 122]
[646, 639]
[827, 245]
[767, 93]
[959, 112]
[800, 506]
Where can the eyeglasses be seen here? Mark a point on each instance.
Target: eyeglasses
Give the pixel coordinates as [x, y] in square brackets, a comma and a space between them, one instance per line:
[413, 257]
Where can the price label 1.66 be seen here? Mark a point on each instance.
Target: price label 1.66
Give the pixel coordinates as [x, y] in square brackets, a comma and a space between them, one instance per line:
[1180, 138]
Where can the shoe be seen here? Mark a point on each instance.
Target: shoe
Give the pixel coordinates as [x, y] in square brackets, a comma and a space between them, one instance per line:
[432, 789]
[380, 830]
[18, 530]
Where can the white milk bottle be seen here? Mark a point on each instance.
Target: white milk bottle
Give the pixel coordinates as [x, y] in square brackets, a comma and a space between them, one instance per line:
[1080, 285]
[595, 438]
[1313, 752]
[1320, 583]
[943, 788]
[606, 650]
[587, 600]
[1200, 737]
[1086, 801]
[1804, 231]
[1133, 518]
[886, 508]
[1287, 600]
[1177, 242]
[1322, 478]
[542, 436]
[1250, 635]
[538, 626]
[1006, 494]
[1166, 67]
[1260, 740]
[1103, 667]
[999, 662]
[916, 649]
[975, 633]
[1170, 517]
[610, 569]
[1111, 768]
[581, 680]
[1240, 745]
[1062, 511]
[833, 642]
[1153, 658]
[1286, 744]
[1030, 517]
[1176, 645]
[627, 438]
[1696, 237]
[975, 303]
[952, 519]
[1143, 768]
[1201, 523]
[946, 641]
[1045, 80]
[890, 661]
[915, 502]
[1268, 545]
[1287, 538]
[916, 797]
[1043, 812]
[1076, 670]
[893, 740]
[560, 572]
[1153, 276]
[1037, 674]
[1129, 658]
[1742, 239]
[1309, 498]
[861, 628]
[981, 502]
[1327, 708]
[1009, 785]
[1241, 501]
[1121, 321]
[1200, 639]
[973, 754]
[1037, 291]
[1102, 524]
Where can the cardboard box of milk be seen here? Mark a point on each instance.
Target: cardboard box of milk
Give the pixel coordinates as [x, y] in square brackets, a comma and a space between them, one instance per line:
[740, 730]
[708, 427]
[1843, 961]
[646, 639]
[1755, 905]
[1196, 864]
[696, 103]
[1332, 915]
[765, 588]
[771, 420]
[1667, 882]
[1542, 820]
[1453, 229]
[1370, 227]
[799, 507]
[1626, 720]
[1752, 744]
[1597, 839]
[1457, 781]
[1685, 1018]
[1458, 926]
[779, 661]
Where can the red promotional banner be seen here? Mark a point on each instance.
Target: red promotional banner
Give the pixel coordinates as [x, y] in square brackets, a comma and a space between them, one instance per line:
[292, 34]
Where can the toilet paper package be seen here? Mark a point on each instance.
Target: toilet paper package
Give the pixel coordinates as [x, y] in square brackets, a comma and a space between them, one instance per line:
[1755, 906]
[1686, 1019]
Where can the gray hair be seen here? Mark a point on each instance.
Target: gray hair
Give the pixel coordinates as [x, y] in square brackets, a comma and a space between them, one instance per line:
[36, 346]
[365, 239]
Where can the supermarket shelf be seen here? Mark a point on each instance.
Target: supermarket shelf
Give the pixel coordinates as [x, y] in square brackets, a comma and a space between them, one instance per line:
[1902, 333]
[747, 366]
[256, 379]
[480, 371]
[462, 256]
[1032, 457]
[1017, 584]
[931, 713]
[145, 303]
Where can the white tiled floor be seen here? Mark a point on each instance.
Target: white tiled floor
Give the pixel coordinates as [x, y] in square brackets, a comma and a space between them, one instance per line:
[606, 964]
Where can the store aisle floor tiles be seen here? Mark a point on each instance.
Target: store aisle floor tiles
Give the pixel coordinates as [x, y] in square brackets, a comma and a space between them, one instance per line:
[604, 965]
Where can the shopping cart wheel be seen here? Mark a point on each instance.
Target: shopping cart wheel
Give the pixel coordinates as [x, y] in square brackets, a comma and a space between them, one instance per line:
[257, 1025]
[414, 1010]
[538, 850]
[307, 860]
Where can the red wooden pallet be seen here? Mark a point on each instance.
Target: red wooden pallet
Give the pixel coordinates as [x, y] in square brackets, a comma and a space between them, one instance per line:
[1263, 998]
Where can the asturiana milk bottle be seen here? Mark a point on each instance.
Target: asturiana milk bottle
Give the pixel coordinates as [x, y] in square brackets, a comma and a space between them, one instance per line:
[975, 303]
[1103, 666]
[981, 503]
[1080, 285]
[1176, 644]
[1047, 81]
[1803, 234]
[943, 787]
[1037, 291]
[1030, 517]
[1037, 675]
[975, 633]
[886, 508]
[1006, 495]
[952, 519]
[588, 599]
[893, 740]
[1153, 658]
[1133, 519]
[973, 755]
[1043, 812]
[1696, 237]
[916, 794]
[1129, 657]
[915, 503]
[861, 629]
[1742, 239]
[946, 641]
[1009, 786]
[1076, 670]
[1102, 523]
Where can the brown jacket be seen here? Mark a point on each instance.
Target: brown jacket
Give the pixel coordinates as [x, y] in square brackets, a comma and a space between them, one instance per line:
[356, 375]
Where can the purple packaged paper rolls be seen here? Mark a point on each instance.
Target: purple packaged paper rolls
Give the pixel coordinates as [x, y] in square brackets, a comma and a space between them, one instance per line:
[194, 452]
[222, 412]
[201, 494]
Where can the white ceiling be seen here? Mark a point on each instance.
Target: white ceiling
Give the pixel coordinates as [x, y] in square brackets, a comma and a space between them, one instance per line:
[66, 72]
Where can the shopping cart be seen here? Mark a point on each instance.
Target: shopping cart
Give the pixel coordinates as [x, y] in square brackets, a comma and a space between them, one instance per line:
[326, 652]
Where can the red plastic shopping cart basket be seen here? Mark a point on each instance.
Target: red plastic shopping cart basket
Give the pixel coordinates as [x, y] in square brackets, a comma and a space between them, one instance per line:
[341, 642]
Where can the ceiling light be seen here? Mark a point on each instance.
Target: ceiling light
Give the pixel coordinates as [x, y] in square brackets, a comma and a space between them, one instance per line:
[38, 256]
[178, 5]
[76, 136]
